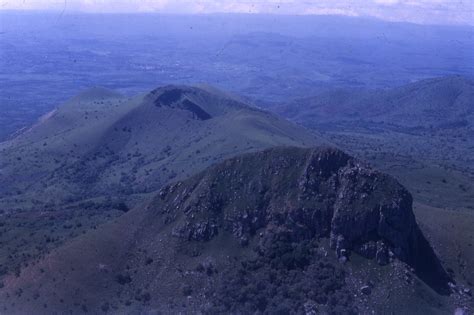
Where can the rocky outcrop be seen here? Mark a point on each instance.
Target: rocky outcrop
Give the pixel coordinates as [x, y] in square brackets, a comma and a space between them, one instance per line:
[304, 194]
[177, 97]
[245, 236]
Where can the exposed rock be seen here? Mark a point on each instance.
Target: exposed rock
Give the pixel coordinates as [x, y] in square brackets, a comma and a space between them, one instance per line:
[200, 231]
[367, 250]
[227, 232]
[452, 286]
[461, 311]
[382, 255]
[339, 244]
[306, 193]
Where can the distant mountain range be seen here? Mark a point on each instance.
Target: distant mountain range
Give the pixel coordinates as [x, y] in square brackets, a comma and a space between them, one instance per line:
[422, 133]
[433, 104]
[47, 57]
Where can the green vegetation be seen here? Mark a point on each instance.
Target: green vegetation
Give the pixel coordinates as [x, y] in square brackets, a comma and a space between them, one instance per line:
[286, 278]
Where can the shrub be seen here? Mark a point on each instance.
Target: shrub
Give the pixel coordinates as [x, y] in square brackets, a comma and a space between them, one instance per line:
[280, 280]
[123, 279]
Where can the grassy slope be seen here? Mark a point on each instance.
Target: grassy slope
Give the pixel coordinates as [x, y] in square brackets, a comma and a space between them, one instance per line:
[93, 147]
[70, 171]
[409, 133]
[431, 120]
[452, 235]
[83, 273]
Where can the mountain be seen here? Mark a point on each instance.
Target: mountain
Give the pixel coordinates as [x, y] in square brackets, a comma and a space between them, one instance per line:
[421, 132]
[445, 102]
[101, 143]
[286, 229]
[302, 54]
[101, 153]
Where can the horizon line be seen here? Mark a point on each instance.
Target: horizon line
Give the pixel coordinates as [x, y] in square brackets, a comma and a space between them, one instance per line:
[366, 17]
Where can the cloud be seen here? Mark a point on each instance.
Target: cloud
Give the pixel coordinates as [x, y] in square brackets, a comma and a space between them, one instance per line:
[418, 11]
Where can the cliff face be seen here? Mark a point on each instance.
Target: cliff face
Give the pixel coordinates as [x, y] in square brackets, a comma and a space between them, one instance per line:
[244, 236]
[305, 194]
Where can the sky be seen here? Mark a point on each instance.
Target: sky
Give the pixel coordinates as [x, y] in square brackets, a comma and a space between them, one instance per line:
[416, 11]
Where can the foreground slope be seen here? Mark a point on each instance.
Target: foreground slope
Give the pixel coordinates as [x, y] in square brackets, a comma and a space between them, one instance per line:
[286, 229]
[421, 133]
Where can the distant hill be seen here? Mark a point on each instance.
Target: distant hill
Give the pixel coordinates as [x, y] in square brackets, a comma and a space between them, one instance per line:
[267, 231]
[102, 144]
[445, 103]
[422, 133]
[302, 54]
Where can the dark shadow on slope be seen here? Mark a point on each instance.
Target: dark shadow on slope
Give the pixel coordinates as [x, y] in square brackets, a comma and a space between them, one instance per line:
[175, 98]
[428, 266]
[197, 111]
[167, 98]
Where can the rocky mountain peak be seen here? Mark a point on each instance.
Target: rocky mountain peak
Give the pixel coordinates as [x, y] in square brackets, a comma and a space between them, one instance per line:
[303, 194]
[252, 228]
